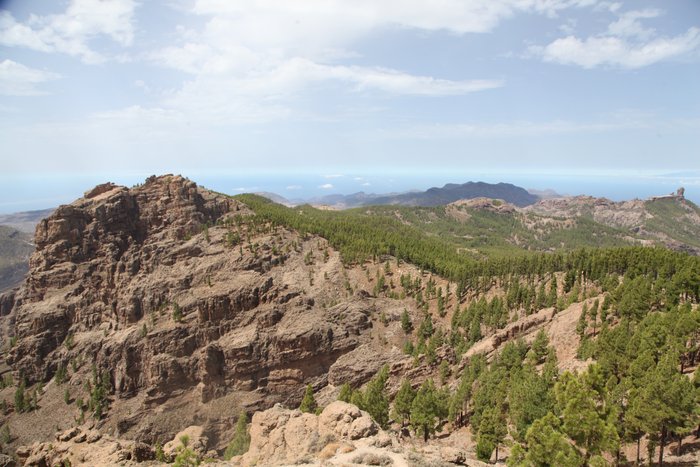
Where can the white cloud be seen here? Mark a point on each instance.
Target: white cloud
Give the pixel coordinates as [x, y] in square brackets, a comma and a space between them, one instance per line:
[20, 80]
[622, 121]
[629, 26]
[323, 30]
[607, 5]
[614, 51]
[251, 60]
[326, 186]
[294, 187]
[70, 32]
[396, 82]
[626, 43]
[324, 23]
[569, 26]
[267, 91]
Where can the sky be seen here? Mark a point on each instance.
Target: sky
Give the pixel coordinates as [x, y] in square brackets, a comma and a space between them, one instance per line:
[309, 97]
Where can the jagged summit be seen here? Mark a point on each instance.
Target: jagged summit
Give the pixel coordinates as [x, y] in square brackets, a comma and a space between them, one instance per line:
[671, 219]
[679, 194]
[183, 301]
[167, 309]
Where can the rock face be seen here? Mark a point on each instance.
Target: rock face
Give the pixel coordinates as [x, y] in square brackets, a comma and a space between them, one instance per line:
[670, 220]
[85, 447]
[341, 435]
[625, 214]
[177, 294]
[196, 440]
[280, 436]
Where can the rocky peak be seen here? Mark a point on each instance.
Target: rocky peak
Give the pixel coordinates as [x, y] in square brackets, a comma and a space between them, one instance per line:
[183, 302]
[90, 252]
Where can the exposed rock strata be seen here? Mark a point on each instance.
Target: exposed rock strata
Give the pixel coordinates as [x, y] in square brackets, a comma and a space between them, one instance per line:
[177, 295]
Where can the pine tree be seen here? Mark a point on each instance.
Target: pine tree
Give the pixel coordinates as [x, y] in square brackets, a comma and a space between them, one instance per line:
[594, 316]
[530, 398]
[444, 371]
[670, 401]
[308, 403]
[541, 299]
[241, 438]
[426, 327]
[460, 399]
[492, 432]
[406, 323]
[177, 313]
[403, 402]
[358, 399]
[636, 418]
[582, 323]
[5, 435]
[345, 394]
[424, 410]
[185, 457]
[545, 445]
[540, 345]
[583, 414]
[20, 398]
[376, 402]
[552, 297]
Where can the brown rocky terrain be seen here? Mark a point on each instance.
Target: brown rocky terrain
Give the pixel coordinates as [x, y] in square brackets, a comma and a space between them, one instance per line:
[670, 220]
[190, 311]
[341, 435]
[625, 214]
[459, 210]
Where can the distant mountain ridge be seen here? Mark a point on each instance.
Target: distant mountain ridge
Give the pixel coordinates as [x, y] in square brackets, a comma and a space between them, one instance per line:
[670, 219]
[25, 221]
[15, 249]
[452, 192]
[434, 196]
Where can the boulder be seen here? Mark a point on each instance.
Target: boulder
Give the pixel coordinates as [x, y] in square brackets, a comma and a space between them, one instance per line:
[194, 438]
[280, 436]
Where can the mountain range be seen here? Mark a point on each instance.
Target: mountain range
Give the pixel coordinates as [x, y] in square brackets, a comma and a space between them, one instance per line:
[431, 197]
[169, 323]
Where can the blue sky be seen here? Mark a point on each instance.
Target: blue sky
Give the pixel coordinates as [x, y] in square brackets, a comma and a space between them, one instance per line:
[120, 89]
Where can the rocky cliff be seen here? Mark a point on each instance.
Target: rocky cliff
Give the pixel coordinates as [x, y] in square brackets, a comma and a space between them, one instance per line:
[340, 435]
[670, 220]
[189, 307]
[165, 310]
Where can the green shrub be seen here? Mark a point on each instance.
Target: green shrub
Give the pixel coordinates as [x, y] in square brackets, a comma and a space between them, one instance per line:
[241, 438]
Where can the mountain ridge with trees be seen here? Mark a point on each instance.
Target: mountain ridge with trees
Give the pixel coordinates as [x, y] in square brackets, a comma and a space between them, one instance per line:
[552, 356]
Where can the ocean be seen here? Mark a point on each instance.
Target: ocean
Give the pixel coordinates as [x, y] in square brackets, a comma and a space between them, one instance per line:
[31, 192]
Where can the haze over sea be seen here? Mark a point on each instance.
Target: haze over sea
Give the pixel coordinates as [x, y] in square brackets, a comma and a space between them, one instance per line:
[25, 192]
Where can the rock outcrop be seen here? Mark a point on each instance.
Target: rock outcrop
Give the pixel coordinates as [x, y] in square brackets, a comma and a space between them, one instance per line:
[82, 446]
[182, 301]
[341, 435]
[281, 436]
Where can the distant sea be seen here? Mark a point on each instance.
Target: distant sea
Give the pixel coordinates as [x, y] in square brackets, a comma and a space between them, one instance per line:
[24, 192]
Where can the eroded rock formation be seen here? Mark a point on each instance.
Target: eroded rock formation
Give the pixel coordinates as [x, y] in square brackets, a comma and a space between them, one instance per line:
[178, 296]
